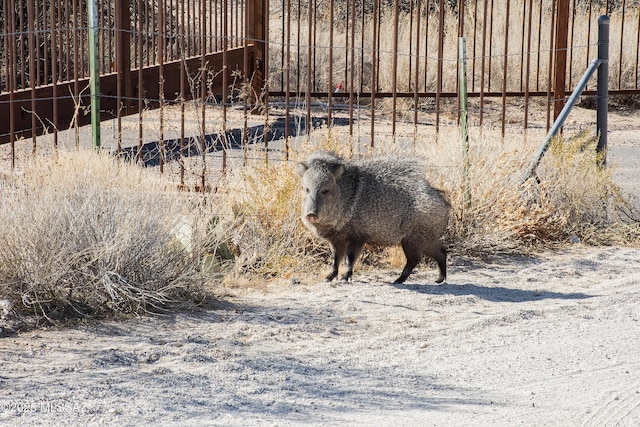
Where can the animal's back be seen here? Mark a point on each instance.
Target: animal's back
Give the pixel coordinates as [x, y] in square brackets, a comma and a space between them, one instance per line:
[394, 198]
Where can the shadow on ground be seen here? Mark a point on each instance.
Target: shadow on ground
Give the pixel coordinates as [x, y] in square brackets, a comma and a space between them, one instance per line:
[151, 153]
[490, 293]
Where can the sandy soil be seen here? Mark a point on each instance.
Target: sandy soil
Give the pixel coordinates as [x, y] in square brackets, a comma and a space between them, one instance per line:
[548, 340]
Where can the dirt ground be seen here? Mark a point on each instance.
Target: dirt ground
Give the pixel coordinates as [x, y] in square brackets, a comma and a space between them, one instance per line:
[548, 340]
[545, 340]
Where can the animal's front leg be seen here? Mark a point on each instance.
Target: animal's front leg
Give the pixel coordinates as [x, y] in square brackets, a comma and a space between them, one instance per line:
[353, 251]
[338, 254]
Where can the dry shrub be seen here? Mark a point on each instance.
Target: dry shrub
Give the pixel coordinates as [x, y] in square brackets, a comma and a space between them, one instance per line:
[83, 234]
[576, 185]
[259, 213]
[571, 198]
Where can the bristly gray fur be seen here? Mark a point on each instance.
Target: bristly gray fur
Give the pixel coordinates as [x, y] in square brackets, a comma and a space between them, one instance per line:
[383, 201]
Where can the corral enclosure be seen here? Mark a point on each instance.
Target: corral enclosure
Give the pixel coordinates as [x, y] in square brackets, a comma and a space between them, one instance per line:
[182, 78]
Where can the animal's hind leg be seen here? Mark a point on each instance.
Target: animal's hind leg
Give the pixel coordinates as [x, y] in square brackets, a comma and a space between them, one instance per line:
[353, 251]
[413, 255]
[439, 254]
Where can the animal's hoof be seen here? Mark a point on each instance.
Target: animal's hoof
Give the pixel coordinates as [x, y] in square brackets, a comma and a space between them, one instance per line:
[330, 277]
[440, 279]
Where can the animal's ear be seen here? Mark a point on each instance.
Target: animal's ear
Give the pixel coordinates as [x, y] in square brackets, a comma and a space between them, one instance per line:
[301, 168]
[338, 171]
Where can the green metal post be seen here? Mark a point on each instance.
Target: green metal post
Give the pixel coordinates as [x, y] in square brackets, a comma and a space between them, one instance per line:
[94, 74]
[464, 125]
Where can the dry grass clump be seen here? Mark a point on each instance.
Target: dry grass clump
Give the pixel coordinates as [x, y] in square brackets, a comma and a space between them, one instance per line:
[571, 199]
[259, 215]
[595, 208]
[83, 234]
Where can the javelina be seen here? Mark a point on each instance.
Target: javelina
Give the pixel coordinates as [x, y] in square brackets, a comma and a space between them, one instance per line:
[380, 201]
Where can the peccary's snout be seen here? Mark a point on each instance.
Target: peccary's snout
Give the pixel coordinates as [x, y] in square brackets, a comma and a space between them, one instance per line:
[310, 209]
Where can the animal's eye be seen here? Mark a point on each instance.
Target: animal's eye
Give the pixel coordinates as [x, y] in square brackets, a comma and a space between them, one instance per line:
[306, 190]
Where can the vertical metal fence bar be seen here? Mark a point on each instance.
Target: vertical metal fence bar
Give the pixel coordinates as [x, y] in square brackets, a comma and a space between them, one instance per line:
[440, 60]
[76, 78]
[181, 39]
[394, 81]
[637, 69]
[32, 74]
[550, 69]
[315, 43]
[225, 82]
[377, 43]
[410, 47]
[108, 25]
[84, 40]
[161, 59]
[505, 68]
[416, 81]
[426, 44]
[602, 98]
[523, 26]
[461, 13]
[572, 16]
[352, 72]
[483, 59]
[46, 30]
[284, 31]
[94, 66]
[345, 78]
[152, 52]
[299, 34]
[142, 18]
[538, 46]
[362, 32]
[54, 72]
[309, 65]
[11, 79]
[263, 40]
[212, 27]
[21, 47]
[330, 65]
[287, 79]
[374, 69]
[39, 60]
[588, 35]
[6, 35]
[246, 81]
[118, 13]
[203, 95]
[560, 56]
[622, 10]
[527, 73]
[490, 54]
[475, 38]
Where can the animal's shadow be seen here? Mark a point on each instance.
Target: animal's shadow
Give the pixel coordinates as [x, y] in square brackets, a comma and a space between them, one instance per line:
[489, 293]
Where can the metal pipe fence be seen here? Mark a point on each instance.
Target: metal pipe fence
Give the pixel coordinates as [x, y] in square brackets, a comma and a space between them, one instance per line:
[216, 75]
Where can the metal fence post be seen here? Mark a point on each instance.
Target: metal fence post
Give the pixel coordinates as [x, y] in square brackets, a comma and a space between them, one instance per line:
[602, 92]
[94, 80]
[464, 125]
